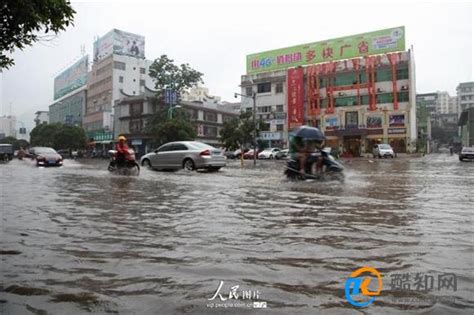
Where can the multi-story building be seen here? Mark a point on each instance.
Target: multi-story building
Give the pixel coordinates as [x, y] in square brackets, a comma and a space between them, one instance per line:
[443, 102]
[42, 117]
[466, 124]
[465, 95]
[8, 126]
[70, 92]
[429, 101]
[119, 68]
[133, 111]
[360, 90]
[453, 105]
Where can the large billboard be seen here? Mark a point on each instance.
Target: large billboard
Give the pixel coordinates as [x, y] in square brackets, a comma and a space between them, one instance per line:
[72, 78]
[295, 98]
[120, 43]
[378, 42]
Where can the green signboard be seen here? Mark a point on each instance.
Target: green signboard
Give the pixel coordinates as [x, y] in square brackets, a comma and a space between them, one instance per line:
[378, 42]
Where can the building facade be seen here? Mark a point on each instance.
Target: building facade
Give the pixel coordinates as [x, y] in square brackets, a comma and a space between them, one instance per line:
[69, 109]
[8, 126]
[133, 111]
[428, 101]
[465, 96]
[358, 101]
[117, 69]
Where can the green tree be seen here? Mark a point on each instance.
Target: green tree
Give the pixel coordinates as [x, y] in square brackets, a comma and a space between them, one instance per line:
[23, 20]
[167, 75]
[58, 136]
[238, 132]
[164, 130]
[16, 143]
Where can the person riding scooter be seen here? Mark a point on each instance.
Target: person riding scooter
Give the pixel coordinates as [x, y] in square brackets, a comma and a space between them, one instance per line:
[301, 150]
[122, 150]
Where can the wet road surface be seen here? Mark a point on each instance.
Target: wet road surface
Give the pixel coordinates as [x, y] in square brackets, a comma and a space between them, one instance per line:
[78, 239]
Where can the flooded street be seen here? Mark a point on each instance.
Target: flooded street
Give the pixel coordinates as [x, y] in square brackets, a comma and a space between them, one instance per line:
[78, 239]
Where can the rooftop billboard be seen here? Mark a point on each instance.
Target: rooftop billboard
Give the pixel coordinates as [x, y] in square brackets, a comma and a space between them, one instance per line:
[378, 42]
[120, 43]
[72, 78]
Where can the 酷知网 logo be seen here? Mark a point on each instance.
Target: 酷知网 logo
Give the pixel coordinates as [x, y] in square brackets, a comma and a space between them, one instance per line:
[357, 286]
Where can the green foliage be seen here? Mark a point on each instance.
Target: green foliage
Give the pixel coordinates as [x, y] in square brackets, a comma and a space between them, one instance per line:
[238, 132]
[164, 130]
[16, 143]
[22, 20]
[167, 75]
[58, 136]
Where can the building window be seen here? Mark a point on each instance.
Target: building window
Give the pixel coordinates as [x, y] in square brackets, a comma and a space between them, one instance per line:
[119, 65]
[264, 109]
[142, 82]
[402, 74]
[134, 80]
[134, 68]
[210, 116]
[280, 127]
[136, 125]
[142, 70]
[352, 119]
[136, 109]
[210, 131]
[264, 87]
[279, 88]
[279, 108]
[248, 91]
[120, 79]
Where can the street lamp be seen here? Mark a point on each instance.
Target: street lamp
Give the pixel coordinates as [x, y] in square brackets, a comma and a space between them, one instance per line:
[170, 111]
[253, 97]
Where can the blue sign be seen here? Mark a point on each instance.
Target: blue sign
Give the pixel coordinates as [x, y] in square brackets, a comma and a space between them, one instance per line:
[170, 97]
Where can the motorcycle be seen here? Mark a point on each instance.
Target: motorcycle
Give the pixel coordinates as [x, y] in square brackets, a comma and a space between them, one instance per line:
[123, 166]
[331, 168]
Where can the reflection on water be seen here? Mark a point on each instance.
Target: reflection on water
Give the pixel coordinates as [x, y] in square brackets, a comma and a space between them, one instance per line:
[78, 239]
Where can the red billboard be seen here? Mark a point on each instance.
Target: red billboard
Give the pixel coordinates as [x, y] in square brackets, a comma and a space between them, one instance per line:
[295, 98]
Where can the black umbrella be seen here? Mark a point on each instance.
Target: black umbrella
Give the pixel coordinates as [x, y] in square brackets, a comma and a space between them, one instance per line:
[309, 133]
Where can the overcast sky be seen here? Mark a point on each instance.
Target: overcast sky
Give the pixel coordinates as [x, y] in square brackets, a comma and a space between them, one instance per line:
[214, 37]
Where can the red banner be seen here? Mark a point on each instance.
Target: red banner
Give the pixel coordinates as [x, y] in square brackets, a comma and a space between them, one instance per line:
[295, 98]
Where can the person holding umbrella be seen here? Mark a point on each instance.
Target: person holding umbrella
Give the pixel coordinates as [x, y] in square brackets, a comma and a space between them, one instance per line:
[304, 142]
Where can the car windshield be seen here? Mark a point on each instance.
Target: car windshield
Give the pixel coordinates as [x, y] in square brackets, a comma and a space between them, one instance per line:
[199, 146]
[384, 146]
[44, 151]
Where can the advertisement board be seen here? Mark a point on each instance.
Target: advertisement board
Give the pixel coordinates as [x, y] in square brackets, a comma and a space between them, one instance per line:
[72, 78]
[120, 43]
[374, 122]
[397, 121]
[377, 42]
[295, 98]
[331, 123]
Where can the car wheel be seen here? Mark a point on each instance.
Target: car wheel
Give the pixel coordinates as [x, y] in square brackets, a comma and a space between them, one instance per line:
[380, 156]
[460, 159]
[146, 163]
[188, 165]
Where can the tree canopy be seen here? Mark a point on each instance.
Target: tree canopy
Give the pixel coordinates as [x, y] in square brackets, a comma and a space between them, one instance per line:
[168, 75]
[238, 132]
[23, 20]
[163, 129]
[16, 143]
[58, 136]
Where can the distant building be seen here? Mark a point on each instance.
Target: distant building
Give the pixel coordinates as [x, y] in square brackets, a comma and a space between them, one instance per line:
[453, 105]
[466, 124]
[133, 111]
[8, 126]
[119, 69]
[465, 95]
[70, 94]
[200, 94]
[429, 101]
[235, 107]
[42, 117]
[357, 89]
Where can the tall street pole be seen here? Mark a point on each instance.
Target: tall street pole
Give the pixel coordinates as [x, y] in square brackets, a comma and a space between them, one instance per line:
[254, 96]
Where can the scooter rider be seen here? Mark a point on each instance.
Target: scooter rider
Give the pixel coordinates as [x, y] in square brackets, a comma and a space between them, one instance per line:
[122, 150]
[301, 149]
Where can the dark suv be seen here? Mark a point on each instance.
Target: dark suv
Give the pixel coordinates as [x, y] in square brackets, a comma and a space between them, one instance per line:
[466, 153]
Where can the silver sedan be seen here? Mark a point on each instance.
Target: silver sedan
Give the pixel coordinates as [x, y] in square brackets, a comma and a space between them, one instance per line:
[190, 155]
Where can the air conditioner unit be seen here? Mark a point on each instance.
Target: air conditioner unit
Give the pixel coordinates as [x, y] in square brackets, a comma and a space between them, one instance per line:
[341, 93]
[404, 87]
[379, 90]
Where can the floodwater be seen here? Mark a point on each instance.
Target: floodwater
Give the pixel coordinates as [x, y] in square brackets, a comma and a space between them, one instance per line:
[77, 239]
